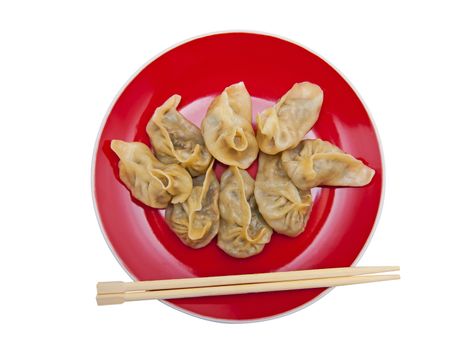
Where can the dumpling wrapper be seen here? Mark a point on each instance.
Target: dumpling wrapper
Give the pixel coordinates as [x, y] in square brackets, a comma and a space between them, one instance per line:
[196, 221]
[284, 125]
[242, 232]
[283, 206]
[319, 163]
[175, 140]
[151, 182]
[227, 127]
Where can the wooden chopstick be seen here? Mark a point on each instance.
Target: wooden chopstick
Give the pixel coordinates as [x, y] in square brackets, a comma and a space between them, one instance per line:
[119, 298]
[122, 287]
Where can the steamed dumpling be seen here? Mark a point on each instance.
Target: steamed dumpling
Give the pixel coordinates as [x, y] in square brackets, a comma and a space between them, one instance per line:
[285, 124]
[283, 206]
[243, 232]
[196, 221]
[319, 163]
[227, 128]
[151, 182]
[177, 140]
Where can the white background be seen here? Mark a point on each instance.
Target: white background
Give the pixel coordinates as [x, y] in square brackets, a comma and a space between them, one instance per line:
[62, 65]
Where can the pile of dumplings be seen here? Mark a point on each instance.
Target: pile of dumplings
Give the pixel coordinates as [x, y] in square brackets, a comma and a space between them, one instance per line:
[177, 173]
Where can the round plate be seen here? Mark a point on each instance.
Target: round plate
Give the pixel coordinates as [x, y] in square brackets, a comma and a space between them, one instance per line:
[341, 220]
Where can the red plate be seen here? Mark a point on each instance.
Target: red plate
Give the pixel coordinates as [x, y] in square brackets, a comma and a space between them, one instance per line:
[341, 221]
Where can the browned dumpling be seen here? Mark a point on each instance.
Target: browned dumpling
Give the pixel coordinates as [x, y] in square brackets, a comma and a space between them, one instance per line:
[285, 124]
[242, 232]
[196, 221]
[283, 206]
[319, 163]
[227, 128]
[177, 140]
[151, 182]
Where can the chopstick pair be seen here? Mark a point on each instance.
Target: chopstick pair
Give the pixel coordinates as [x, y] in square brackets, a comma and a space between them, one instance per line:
[109, 293]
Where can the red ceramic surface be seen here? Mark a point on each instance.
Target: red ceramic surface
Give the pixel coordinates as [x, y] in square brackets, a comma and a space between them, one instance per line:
[341, 220]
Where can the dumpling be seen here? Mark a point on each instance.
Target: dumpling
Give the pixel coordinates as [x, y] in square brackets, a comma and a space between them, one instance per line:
[242, 232]
[151, 182]
[285, 124]
[319, 163]
[196, 221]
[227, 128]
[283, 206]
[176, 140]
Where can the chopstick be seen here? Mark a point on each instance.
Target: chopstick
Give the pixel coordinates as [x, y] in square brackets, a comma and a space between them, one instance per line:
[122, 287]
[109, 293]
[119, 298]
